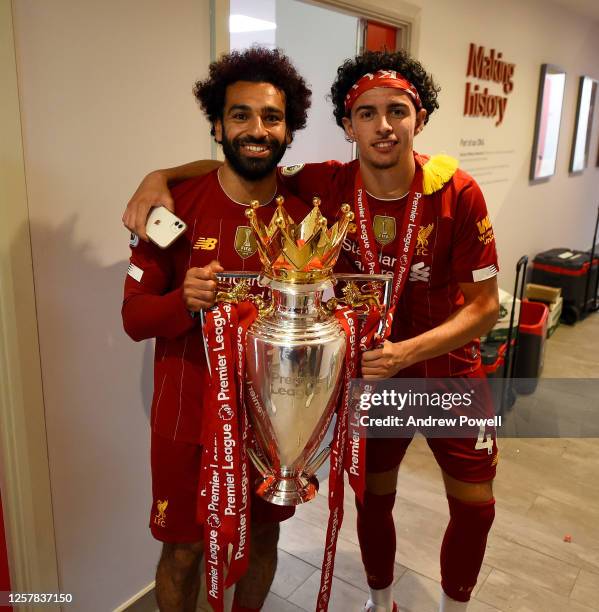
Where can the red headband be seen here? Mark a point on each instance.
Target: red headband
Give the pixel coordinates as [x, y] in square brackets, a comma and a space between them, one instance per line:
[381, 78]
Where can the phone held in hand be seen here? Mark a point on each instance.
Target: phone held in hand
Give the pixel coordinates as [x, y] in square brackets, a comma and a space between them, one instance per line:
[163, 227]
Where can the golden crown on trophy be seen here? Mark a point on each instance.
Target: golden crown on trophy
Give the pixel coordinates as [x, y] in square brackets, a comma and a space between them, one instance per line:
[302, 252]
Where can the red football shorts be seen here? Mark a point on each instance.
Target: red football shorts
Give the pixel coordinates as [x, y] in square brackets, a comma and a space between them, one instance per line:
[175, 481]
[465, 459]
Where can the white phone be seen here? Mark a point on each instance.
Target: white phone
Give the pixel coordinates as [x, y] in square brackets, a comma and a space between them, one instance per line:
[163, 227]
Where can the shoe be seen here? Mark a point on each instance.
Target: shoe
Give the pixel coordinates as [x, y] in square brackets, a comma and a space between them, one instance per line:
[370, 607]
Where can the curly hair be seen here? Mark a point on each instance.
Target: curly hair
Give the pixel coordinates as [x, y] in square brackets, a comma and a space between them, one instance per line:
[257, 65]
[353, 69]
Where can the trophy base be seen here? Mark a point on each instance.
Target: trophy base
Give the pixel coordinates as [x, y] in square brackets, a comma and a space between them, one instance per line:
[288, 491]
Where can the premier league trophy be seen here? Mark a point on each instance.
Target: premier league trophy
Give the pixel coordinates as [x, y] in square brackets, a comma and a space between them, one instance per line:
[295, 349]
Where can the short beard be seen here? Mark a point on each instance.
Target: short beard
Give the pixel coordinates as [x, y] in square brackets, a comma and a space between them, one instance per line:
[251, 168]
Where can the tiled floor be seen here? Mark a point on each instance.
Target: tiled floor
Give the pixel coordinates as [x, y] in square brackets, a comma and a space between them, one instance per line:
[545, 489]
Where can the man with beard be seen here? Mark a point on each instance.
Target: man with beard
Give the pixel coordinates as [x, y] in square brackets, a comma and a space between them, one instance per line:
[254, 101]
[447, 300]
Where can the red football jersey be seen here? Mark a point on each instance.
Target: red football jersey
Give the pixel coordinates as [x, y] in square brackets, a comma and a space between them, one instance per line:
[455, 244]
[153, 304]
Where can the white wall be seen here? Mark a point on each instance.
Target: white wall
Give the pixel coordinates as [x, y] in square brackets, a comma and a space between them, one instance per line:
[105, 91]
[527, 219]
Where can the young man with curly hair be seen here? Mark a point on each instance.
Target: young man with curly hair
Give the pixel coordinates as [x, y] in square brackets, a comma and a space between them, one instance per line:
[445, 286]
[255, 101]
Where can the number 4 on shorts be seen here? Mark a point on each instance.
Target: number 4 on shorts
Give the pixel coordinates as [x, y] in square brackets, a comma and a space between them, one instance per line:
[484, 441]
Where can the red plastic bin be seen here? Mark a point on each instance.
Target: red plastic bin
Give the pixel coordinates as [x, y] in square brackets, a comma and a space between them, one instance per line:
[532, 334]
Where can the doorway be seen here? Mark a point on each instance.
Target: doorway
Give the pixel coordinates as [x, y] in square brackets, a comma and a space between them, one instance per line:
[317, 39]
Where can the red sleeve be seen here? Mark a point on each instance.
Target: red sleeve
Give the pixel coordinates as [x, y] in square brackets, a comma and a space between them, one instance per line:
[152, 306]
[474, 256]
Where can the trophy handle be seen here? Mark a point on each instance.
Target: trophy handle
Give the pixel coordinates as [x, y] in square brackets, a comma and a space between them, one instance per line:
[312, 467]
[354, 297]
[232, 295]
[240, 292]
[264, 470]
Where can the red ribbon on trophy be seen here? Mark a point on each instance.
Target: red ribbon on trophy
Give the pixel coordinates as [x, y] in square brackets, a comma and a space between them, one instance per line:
[224, 500]
[247, 313]
[406, 242]
[355, 453]
[349, 322]
[224, 494]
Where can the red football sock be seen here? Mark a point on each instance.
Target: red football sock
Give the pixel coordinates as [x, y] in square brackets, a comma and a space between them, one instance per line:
[376, 534]
[464, 545]
[237, 608]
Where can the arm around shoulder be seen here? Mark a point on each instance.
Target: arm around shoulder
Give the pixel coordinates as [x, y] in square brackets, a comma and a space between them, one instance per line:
[154, 191]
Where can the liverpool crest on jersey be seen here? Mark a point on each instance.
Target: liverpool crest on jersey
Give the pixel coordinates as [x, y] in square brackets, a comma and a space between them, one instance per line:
[245, 243]
[160, 516]
[384, 229]
[423, 235]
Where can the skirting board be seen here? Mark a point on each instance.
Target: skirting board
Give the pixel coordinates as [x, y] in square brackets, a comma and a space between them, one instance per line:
[144, 601]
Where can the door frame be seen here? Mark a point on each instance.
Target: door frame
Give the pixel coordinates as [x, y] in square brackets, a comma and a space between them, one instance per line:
[24, 467]
[403, 15]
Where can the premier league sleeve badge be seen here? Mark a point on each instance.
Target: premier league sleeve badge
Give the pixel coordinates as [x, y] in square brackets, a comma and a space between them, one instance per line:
[291, 170]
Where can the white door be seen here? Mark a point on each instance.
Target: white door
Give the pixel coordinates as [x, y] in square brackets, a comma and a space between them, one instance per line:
[317, 40]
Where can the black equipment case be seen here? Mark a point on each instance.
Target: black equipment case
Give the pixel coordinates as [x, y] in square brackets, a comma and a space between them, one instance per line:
[572, 271]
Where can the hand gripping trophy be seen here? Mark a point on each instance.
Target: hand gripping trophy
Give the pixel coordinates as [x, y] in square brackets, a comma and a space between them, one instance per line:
[292, 355]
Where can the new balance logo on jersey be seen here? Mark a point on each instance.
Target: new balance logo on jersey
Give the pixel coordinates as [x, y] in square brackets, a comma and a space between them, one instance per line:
[205, 244]
[420, 272]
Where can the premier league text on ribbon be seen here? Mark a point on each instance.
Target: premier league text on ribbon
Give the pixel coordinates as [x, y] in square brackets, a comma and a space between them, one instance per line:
[354, 421]
[229, 442]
